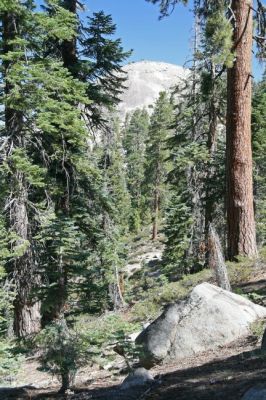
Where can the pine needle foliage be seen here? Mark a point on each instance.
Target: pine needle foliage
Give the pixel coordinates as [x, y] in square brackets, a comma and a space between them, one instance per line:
[259, 151]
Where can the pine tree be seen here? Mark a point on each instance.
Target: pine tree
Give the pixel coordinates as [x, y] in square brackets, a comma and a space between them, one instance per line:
[41, 93]
[213, 55]
[184, 226]
[103, 57]
[134, 143]
[259, 150]
[100, 63]
[231, 39]
[111, 246]
[197, 152]
[69, 46]
[27, 314]
[240, 211]
[156, 155]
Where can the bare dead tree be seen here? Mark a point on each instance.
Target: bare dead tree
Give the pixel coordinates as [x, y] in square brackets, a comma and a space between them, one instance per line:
[216, 260]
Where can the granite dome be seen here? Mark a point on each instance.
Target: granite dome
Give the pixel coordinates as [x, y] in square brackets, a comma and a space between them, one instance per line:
[146, 79]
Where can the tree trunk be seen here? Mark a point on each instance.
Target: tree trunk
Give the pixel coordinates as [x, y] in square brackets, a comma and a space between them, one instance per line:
[65, 382]
[155, 214]
[57, 311]
[240, 209]
[216, 260]
[26, 308]
[211, 145]
[69, 47]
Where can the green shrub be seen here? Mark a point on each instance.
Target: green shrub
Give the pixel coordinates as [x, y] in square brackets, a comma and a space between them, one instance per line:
[108, 335]
[63, 352]
[9, 363]
[257, 328]
[161, 292]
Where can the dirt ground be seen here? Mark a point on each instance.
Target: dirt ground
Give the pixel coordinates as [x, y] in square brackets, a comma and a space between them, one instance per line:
[224, 374]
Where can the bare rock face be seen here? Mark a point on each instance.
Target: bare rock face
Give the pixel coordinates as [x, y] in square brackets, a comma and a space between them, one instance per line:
[146, 79]
[209, 318]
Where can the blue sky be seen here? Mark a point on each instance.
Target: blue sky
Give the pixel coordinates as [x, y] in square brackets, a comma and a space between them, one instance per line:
[137, 22]
[168, 40]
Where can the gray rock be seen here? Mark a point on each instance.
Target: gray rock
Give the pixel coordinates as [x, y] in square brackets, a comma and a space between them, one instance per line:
[139, 377]
[263, 342]
[209, 318]
[145, 80]
[258, 393]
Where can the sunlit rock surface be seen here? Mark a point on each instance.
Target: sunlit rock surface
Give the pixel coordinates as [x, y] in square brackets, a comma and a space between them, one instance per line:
[146, 79]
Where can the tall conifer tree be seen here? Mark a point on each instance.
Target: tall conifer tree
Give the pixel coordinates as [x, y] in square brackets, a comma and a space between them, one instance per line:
[134, 143]
[240, 210]
[41, 92]
[156, 156]
[235, 34]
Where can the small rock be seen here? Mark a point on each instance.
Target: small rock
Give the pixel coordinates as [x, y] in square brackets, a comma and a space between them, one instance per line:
[133, 336]
[69, 392]
[108, 366]
[258, 393]
[138, 377]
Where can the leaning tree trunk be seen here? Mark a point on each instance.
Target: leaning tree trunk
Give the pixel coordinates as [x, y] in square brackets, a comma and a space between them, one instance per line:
[26, 307]
[240, 209]
[216, 260]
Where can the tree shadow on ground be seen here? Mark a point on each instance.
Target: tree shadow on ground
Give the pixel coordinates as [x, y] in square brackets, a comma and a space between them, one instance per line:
[226, 379]
[256, 291]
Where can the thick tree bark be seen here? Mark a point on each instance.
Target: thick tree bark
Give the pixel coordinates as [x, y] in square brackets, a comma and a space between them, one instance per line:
[26, 307]
[240, 209]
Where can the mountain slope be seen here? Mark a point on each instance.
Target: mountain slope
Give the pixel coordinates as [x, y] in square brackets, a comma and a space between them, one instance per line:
[146, 79]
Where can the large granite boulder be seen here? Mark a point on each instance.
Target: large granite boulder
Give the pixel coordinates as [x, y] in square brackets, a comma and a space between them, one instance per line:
[210, 317]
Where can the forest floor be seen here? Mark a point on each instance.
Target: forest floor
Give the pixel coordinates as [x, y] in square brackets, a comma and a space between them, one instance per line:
[225, 373]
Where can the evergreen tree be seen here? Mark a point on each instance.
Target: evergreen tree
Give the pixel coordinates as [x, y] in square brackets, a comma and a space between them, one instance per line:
[259, 150]
[198, 154]
[240, 211]
[231, 39]
[134, 143]
[13, 18]
[184, 226]
[95, 59]
[100, 63]
[40, 120]
[110, 255]
[156, 155]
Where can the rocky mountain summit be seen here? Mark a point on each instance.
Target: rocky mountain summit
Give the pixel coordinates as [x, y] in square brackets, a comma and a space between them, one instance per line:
[146, 79]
